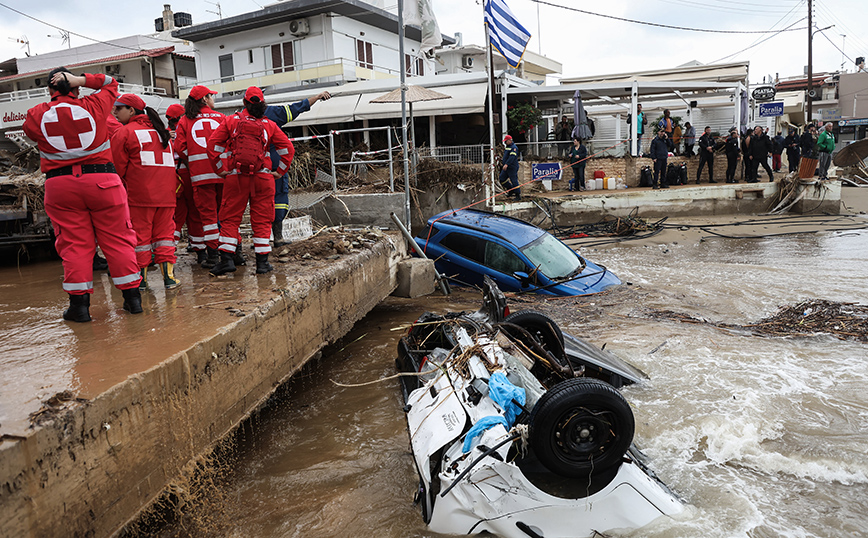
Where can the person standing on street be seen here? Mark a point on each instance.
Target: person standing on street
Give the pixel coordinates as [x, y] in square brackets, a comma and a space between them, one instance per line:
[84, 196]
[238, 149]
[186, 211]
[777, 149]
[509, 171]
[641, 122]
[759, 144]
[659, 153]
[808, 142]
[191, 138]
[825, 147]
[689, 139]
[733, 151]
[578, 156]
[281, 115]
[706, 155]
[792, 145]
[143, 156]
[562, 135]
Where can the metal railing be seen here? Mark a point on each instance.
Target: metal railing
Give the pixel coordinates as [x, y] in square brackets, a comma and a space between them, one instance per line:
[42, 93]
[554, 149]
[476, 154]
[339, 70]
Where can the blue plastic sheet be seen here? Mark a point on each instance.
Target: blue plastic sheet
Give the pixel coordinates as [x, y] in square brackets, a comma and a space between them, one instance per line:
[503, 393]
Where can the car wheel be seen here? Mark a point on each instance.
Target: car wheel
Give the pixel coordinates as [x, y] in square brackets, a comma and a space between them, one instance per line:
[581, 426]
[543, 329]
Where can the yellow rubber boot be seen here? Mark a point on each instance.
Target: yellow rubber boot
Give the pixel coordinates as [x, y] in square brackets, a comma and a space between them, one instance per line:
[169, 280]
[143, 285]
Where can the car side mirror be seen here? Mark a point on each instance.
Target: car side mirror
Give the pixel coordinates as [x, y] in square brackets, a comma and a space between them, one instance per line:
[523, 277]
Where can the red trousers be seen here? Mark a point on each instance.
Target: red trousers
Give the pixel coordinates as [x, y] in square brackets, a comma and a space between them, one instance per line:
[154, 228]
[776, 161]
[207, 199]
[85, 210]
[187, 212]
[238, 189]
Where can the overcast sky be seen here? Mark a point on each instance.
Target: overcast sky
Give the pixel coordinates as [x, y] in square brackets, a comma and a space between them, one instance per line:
[584, 44]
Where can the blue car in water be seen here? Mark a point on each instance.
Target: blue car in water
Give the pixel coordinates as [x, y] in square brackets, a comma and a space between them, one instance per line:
[468, 244]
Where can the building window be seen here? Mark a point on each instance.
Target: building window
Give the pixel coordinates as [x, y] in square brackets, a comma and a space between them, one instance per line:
[227, 70]
[283, 57]
[365, 54]
[414, 67]
[250, 56]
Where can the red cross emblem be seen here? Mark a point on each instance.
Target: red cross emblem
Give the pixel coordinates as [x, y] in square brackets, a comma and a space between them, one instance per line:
[151, 150]
[68, 127]
[202, 130]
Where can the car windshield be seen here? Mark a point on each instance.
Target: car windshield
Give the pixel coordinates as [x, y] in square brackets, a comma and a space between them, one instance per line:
[554, 259]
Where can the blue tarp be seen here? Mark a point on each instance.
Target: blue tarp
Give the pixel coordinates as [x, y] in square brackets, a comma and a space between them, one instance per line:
[503, 393]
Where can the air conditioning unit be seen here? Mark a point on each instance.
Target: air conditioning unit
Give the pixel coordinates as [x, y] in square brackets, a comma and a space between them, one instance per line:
[299, 27]
[467, 62]
[113, 69]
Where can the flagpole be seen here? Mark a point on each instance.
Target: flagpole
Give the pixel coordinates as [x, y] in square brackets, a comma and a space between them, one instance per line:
[491, 139]
[404, 146]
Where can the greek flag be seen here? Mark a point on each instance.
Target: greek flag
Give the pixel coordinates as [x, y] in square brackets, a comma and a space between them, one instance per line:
[507, 36]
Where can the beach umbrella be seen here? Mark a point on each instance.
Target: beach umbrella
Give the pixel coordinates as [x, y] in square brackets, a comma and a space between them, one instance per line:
[580, 119]
[852, 155]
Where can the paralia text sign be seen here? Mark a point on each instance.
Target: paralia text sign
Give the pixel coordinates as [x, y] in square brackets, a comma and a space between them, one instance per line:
[546, 171]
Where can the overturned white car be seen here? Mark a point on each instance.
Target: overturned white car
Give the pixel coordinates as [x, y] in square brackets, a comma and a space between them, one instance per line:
[518, 429]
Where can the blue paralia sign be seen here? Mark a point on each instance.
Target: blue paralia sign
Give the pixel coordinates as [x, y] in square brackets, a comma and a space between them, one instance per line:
[770, 110]
[546, 171]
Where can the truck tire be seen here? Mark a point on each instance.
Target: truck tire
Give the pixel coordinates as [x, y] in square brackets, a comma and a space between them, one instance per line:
[543, 328]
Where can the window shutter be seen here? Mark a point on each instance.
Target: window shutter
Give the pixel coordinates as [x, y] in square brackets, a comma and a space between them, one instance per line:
[288, 59]
[360, 52]
[369, 48]
[276, 60]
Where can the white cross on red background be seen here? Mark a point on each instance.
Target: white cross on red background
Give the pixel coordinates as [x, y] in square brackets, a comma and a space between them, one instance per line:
[152, 152]
[68, 127]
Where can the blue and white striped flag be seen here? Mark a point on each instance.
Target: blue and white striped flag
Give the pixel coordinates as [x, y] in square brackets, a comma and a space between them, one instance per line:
[507, 36]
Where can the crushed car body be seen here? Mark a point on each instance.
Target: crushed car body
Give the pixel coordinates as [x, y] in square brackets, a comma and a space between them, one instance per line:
[519, 430]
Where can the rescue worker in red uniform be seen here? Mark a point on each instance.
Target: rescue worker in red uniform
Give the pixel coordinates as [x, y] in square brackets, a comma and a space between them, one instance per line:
[185, 207]
[84, 196]
[239, 151]
[144, 159]
[191, 138]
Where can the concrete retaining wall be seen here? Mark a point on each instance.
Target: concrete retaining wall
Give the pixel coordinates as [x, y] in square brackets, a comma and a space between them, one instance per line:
[360, 209]
[91, 468]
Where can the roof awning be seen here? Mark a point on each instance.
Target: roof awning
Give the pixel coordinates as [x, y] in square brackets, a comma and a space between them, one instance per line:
[465, 99]
[338, 109]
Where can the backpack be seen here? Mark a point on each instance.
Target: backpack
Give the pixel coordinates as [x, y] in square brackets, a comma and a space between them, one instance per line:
[673, 174]
[646, 177]
[248, 145]
[683, 170]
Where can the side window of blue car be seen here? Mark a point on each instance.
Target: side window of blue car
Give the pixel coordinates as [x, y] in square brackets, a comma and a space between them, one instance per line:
[500, 258]
[464, 245]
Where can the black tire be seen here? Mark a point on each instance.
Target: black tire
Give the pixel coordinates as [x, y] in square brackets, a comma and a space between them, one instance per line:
[581, 426]
[542, 328]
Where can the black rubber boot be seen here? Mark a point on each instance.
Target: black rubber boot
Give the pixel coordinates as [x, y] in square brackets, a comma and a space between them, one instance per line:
[79, 308]
[212, 257]
[201, 256]
[226, 265]
[262, 265]
[133, 301]
[99, 263]
[238, 257]
[277, 232]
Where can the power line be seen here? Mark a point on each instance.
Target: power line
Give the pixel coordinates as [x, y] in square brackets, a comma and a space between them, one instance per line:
[724, 9]
[757, 40]
[787, 29]
[854, 36]
[659, 25]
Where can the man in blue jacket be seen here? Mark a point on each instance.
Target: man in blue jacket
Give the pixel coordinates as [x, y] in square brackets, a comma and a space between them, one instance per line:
[281, 115]
[509, 171]
[659, 153]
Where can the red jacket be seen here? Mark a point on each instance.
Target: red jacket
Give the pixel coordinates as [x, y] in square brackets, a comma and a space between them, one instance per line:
[145, 166]
[69, 131]
[221, 153]
[191, 143]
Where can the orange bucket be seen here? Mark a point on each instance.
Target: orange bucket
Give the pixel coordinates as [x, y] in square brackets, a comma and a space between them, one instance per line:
[807, 167]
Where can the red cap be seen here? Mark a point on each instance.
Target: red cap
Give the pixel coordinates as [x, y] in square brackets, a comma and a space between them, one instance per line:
[130, 99]
[507, 138]
[254, 95]
[174, 111]
[198, 92]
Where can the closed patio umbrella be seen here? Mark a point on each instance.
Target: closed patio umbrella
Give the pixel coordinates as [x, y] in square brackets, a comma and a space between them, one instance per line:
[580, 119]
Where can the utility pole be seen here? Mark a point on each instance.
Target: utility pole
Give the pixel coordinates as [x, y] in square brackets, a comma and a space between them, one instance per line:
[810, 62]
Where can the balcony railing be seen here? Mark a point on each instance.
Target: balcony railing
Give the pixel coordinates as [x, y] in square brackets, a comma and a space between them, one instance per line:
[338, 70]
[42, 93]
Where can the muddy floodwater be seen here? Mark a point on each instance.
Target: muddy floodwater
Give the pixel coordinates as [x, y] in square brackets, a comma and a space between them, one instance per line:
[763, 437]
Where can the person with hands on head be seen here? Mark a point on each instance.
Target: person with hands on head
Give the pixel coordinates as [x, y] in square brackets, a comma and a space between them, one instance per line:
[84, 196]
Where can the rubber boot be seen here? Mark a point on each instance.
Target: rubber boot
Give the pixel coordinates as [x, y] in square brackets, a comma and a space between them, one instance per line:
[277, 232]
[211, 259]
[201, 256]
[238, 257]
[168, 270]
[143, 285]
[99, 263]
[262, 265]
[79, 308]
[133, 301]
[226, 265]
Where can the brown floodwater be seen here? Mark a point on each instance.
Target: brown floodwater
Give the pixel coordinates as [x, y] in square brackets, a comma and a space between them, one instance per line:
[763, 437]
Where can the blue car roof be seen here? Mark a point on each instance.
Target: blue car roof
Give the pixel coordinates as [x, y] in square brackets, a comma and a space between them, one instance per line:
[516, 231]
